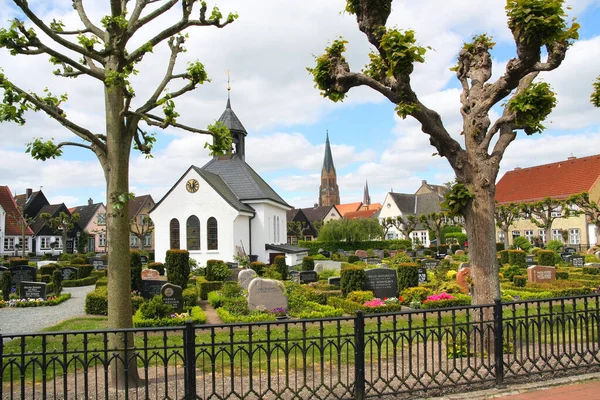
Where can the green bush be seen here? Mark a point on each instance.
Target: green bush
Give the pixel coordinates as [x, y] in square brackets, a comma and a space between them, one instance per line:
[236, 305]
[315, 310]
[190, 297]
[178, 267]
[351, 307]
[272, 273]
[46, 278]
[555, 245]
[78, 260]
[281, 267]
[102, 282]
[562, 275]
[47, 269]
[352, 259]
[98, 274]
[229, 318]
[135, 262]
[408, 275]
[155, 309]
[417, 293]
[57, 280]
[517, 257]
[84, 270]
[522, 243]
[546, 257]
[321, 296]
[157, 266]
[205, 287]
[454, 247]
[96, 302]
[218, 272]
[591, 270]
[327, 273]
[5, 284]
[511, 271]
[360, 296]
[352, 279]
[258, 267]
[54, 302]
[333, 246]
[215, 299]
[231, 289]
[90, 280]
[308, 263]
[503, 257]
[16, 262]
[196, 315]
[519, 280]
[499, 246]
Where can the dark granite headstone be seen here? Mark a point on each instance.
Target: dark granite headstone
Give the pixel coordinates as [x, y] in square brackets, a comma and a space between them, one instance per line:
[308, 276]
[373, 260]
[32, 290]
[67, 271]
[422, 275]
[569, 250]
[529, 258]
[578, 261]
[334, 280]
[411, 253]
[99, 263]
[294, 276]
[429, 263]
[151, 287]
[23, 273]
[2, 269]
[420, 252]
[173, 296]
[566, 257]
[144, 259]
[325, 253]
[383, 282]
[233, 265]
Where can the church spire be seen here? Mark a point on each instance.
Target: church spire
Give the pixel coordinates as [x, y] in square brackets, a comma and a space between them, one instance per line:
[232, 122]
[366, 197]
[329, 192]
[328, 159]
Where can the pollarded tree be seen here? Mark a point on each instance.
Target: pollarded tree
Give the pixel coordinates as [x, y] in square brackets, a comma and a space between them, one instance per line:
[587, 207]
[61, 224]
[403, 225]
[543, 213]
[141, 229]
[505, 215]
[109, 51]
[536, 25]
[434, 222]
[595, 97]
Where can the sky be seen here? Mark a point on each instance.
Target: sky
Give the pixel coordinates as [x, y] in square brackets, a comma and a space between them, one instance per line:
[267, 51]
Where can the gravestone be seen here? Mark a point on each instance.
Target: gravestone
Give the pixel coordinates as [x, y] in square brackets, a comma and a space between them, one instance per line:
[150, 274]
[378, 253]
[151, 287]
[334, 280]
[373, 260]
[411, 253]
[566, 256]
[293, 276]
[308, 276]
[267, 293]
[325, 253]
[464, 265]
[361, 254]
[99, 263]
[422, 275]
[318, 268]
[540, 273]
[382, 265]
[597, 254]
[233, 265]
[32, 290]
[420, 252]
[144, 259]
[577, 261]
[23, 273]
[383, 282]
[448, 257]
[429, 263]
[393, 253]
[569, 250]
[529, 258]
[67, 272]
[462, 277]
[459, 252]
[173, 296]
[245, 277]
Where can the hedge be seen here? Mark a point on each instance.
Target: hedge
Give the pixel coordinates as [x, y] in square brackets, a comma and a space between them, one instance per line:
[90, 280]
[84, 270]
[47, 269]
[314, 310]
[351, 307]
[314, 246]
[499, 246]
[321, 296]
[190, 297]
[562, 275]
[308, 264]
[196, 315]
[458, 301]
[546, 257]
[520, 280]
[352, 279]
[178, 267]
[352, 259]
[227, 317]
[16, 262]
[503, 257]
[258, 267]
[102, 282]
[517, 257]
[217, 270]
[408, 275]
[281, 267]
[215, 299]
[205, 287]
[96, 302]
[157, 266]
[135, 263]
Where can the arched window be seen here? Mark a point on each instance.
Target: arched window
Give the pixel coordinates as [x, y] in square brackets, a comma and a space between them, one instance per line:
[278, 241]
[212, 234]
[274, 230]
[174, 233]
[193, 233]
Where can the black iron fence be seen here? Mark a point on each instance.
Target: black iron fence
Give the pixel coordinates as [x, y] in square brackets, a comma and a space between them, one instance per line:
[408, 353]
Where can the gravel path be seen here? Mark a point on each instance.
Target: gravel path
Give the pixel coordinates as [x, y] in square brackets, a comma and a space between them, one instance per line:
[33, 319]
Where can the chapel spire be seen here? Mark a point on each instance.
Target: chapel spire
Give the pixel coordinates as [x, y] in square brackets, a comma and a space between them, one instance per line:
[237, 130]
[366, 197]
[329, 192]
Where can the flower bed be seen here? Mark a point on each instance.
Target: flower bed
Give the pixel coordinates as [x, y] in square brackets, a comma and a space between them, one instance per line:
[50, 301]
[445, 300]
[256, 316]
[374, 307]
[196, 315]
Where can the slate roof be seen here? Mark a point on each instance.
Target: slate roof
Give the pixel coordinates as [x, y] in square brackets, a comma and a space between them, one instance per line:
[328, 159]
[10, 207]
[361, 214]
[219, 185]
[557, 180]
[39, 223]
[316, 213]
[291, 214]
[86, 213]
[405, 202]
[286, 248]
[242, 180]
[348, 207]
[231, 121]
[135, 205]
[428, 203]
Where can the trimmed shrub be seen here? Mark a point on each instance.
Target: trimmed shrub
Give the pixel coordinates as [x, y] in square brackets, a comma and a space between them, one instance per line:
[102, 282]
[85, 270]
[15, 262]
[47, 269]
[499, 246]
[458, 301]
[205, 287]
[321, 296]
[315, 310]
[209, 267]
[155, 309]
[333, 246]
[555, 245]
[78, 260]
[258, 267]
[196, 315]
[519, 280]
[219, 272]
[190, 297]
[546, 257]
[46, 278]
[503, 257]
[215, 299]
[454, 247]
[178, 267]
[352, 279]
[6, 284]
[135, 262]
[418, 293]
[511, 271]
[517, 257]
[562, 275]
[360, 296]
[351, 307]
[160, 267]
[591, 270]
[352, 259]
[57, 279]
[281, 267]
[522, 243]
[442, 249]
[271, 273]
[96, 302]
[308, 263]
[408, 275]
[90, 280]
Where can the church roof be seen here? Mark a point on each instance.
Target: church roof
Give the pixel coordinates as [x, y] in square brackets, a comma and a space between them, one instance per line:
[328, 160]
[231, 121]
[242, 180]
[219, 185]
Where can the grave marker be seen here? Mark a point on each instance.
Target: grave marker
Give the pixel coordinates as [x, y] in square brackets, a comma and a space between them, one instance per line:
[308, 276]
[577, 261]
[23, 273]
[99, 263]
[245, 277]
[151, 287]
[32, 290]
[462, 277]
[267, 293]
[67, 273]
[569, 250]
[318, 268]
[540, 273]
[361, 254]
[429, 263]
[150, 274]
[566, 256]
[422, 275]
[144, 259]
[383, 282]
[334, 280]
[173, 296]
[294, 276]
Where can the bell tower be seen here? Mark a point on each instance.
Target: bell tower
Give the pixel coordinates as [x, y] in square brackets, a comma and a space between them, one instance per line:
[329, 192]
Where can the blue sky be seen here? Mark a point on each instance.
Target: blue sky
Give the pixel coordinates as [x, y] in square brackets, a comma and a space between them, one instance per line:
[267, 50]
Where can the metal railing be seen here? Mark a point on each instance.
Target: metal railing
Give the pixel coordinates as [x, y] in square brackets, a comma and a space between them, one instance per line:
[364, 356]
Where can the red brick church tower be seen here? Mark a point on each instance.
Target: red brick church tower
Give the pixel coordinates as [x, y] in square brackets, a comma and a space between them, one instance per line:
[329, 192]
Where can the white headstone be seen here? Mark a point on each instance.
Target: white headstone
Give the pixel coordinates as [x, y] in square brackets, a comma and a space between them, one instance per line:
[597, 254]
[318, 268]
[245, 277]
[267, 293]
[448, 257]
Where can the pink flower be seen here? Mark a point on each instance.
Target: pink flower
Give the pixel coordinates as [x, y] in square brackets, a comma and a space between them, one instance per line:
[441, 296]
[374, 303]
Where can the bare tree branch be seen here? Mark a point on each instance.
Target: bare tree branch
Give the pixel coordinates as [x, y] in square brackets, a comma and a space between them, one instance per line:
[154, 120]
[135, 22]
[63, 144]
[78, 6]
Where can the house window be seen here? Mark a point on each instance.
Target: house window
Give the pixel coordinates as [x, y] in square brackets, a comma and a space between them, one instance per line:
[9, 243]
[574, 236]
[141, 218]
[556, 235]
[44, 243]
[174, 233]
[542, 235]
[309, 238]
[101, 219]
[133, 241]
[415, 237]
[102, 240]
[26, 243]
[212, 234]
[424, 237]
[500, 236]
[148, 240]
[516, 234]
[193, 233]
[293, 240]
[556, 212]
[390, 236]
[529, 236]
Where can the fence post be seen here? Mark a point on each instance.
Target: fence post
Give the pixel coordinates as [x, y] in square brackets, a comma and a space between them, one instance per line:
[498, 342]
[189, 349]
[359, 356]
[2, 365]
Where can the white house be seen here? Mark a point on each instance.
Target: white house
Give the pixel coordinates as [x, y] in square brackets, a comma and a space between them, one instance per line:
[223, 208]
[10, 225]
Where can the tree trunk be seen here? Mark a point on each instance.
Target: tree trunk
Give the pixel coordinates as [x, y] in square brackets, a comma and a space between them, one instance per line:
[123, 368]
[64, 241]
[506, 243]
[23, 237]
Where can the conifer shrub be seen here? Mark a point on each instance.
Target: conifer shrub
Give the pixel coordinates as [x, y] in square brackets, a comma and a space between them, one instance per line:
[517, 257]
[57, 279]
[546, 257]
[519, 280]
[308, 263]
[177, 263]
[352, 259]
[157, 266]
[47, 269]
[135, 262]
[281, 267]
[408, 275]
[258, 267]
[6, 284]
[503, 257]
[352, 279]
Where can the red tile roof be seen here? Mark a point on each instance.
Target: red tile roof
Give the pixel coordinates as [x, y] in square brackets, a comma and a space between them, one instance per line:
[12, 212]
[348, 207]
[557, 180]
[360, 214]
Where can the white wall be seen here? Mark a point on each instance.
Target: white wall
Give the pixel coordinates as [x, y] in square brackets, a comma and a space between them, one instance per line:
[2, 228]
[392, 211]
[205, 203]
[592, 234]
[241, 234]
[262, 228]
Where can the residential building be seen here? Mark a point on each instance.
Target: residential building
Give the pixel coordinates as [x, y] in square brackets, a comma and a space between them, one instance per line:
[426, 200]
[343, 209]
[329, 192]
[141, 236]
[224, 208]
[558, 181]
[92, 219]
[11, 226]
